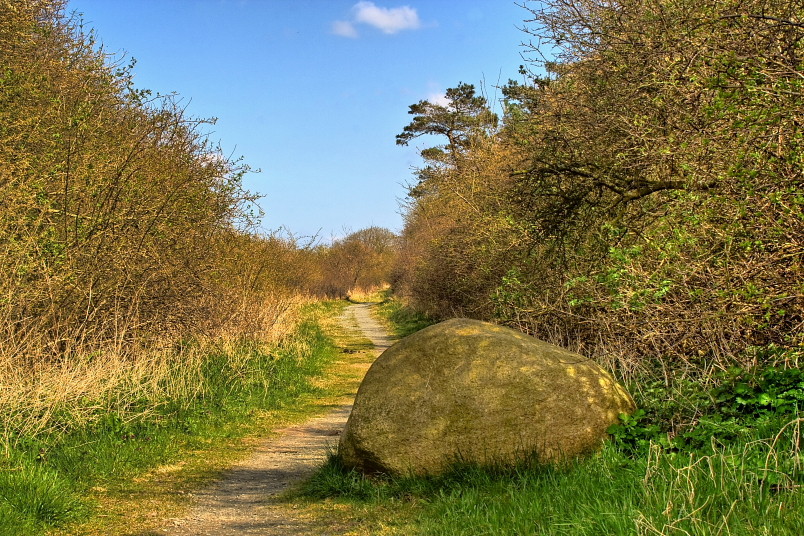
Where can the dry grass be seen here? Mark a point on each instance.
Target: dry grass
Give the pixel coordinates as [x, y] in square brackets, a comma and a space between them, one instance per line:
[42, 396]
[372, 294]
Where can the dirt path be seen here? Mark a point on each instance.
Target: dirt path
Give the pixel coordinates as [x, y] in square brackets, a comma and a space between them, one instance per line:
[245, 500]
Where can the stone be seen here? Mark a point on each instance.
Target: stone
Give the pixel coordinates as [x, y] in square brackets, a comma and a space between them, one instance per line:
[474, 392]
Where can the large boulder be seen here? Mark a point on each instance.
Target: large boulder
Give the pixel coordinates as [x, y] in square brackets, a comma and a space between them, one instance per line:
[471, 391]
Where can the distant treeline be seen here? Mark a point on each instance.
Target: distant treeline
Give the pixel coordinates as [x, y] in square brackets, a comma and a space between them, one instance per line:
[642, 200]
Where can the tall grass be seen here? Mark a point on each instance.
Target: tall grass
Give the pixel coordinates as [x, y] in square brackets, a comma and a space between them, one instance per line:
[403, 319]
[105, 421]
[662, 493]
[42, 398]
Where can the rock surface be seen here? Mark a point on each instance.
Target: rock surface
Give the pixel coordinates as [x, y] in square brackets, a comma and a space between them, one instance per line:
[465, 390]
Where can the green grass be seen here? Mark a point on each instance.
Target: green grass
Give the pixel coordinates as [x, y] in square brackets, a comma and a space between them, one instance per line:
[612, 494]
[45, 481]
[402, 319]
[661, 492]
[33, 494]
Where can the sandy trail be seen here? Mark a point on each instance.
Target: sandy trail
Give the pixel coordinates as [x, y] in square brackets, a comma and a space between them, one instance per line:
[245, 500]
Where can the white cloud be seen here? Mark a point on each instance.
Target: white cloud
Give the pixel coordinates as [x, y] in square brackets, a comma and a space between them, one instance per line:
[439, 99]
[344, 28]
[436, 95]
[387, 20]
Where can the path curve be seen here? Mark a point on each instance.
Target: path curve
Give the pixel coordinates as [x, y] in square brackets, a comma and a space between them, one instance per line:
[243, 502]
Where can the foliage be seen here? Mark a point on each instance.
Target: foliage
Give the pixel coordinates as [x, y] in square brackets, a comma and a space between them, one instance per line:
[139, 309]
[123, 226]
[639, 200]
[124, 232]
[687, 418]
[113, 200]
[464, 120]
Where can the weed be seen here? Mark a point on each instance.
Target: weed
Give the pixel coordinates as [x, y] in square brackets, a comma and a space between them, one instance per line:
[687, 418]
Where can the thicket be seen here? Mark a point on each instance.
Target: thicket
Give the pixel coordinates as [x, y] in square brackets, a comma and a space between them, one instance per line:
[126, 243]
[639, 200]
[140, 311]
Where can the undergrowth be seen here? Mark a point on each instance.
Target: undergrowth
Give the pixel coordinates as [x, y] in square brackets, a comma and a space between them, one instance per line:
[45, 478]
[684, 416]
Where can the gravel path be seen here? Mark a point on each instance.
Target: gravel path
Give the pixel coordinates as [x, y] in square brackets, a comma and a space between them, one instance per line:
[360, 313]
[245, 500]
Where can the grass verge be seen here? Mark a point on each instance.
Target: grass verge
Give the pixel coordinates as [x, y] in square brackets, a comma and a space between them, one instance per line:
[132, 463]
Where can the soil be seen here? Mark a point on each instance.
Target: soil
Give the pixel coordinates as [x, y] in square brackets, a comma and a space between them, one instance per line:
[247, 500]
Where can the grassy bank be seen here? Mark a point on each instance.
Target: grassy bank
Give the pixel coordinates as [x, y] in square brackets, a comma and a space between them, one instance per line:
[87, 458]
[737, 469]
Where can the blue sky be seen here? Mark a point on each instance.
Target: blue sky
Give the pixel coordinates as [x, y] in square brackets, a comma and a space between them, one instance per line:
[313, 92]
